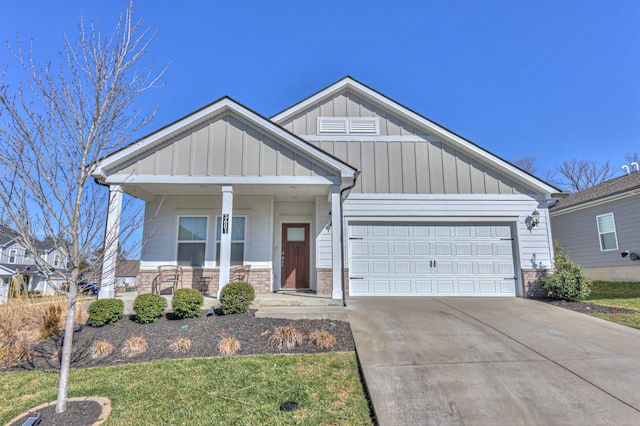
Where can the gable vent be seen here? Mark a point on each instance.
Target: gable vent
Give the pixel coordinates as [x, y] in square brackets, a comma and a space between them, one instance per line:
[347, 125]
[332, 125]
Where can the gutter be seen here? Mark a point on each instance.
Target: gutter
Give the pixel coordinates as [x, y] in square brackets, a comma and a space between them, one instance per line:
[342, 200]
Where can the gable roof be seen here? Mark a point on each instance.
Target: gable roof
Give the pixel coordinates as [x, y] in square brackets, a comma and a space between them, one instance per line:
[222, 105]
[349, 83]
[9, 236]
[612, 189]
[127, 268]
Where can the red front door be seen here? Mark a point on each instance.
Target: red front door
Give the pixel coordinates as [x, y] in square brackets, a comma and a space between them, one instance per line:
[295, 256]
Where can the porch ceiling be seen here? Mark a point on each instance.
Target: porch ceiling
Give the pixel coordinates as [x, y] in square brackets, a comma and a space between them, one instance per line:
[148, 191]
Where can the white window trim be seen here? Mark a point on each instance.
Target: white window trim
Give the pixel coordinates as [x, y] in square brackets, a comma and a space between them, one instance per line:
[205, 241]
[56, 260]
[13, 253]
[615, 231]
[347, 124]
[244, 242]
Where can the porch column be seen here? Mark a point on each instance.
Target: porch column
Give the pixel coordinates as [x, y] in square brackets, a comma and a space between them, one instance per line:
[225, 236]
[110, 253]
[336, 243]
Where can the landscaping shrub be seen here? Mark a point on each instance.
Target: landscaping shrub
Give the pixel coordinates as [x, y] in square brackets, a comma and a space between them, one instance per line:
[228, 346]
[134, 346]
[149, 307]
[568, 282]
[105, 311]
[52, 321]
[181, 344]
[286, 337]
[187, 303]
[101, 349]
[322, 339]
[236, 297]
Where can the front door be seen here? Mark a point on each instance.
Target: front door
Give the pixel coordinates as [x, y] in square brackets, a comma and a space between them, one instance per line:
[295, 256]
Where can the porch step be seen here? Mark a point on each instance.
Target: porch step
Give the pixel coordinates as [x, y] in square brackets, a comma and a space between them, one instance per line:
[303, 312]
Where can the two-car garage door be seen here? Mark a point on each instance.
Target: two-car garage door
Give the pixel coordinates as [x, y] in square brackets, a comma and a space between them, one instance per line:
[431, 260]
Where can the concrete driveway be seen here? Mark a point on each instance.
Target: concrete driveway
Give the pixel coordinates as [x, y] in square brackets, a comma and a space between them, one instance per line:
[454, 361]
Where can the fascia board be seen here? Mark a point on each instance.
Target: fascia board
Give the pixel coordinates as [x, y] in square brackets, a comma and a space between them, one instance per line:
[421, 121]
[217, 108]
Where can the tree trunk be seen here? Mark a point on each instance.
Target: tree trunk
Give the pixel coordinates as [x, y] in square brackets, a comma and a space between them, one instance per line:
[67, 346]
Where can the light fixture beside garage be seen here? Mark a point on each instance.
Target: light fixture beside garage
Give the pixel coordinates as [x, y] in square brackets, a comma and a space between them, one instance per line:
[534, 220]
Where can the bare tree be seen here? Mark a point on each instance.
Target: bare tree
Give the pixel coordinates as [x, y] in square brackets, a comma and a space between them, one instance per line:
[56, 124]
[577, 175]
[528, 164]
[632, 157]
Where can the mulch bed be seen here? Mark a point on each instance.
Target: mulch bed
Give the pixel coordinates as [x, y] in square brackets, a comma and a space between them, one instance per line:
[585, 307]
[204, 333]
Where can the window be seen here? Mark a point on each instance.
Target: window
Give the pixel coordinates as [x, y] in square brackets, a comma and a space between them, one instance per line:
[607, 232]
[12, 255]
[237, 241]
[27, 254]
[192, 240]
[56, 260]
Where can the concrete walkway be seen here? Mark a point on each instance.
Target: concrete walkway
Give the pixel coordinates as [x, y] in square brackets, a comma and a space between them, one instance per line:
[454, 361]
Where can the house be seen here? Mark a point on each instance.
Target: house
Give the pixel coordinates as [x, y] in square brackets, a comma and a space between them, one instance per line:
[127, 272]
[347, 192]
[600, 227]
[16, 259]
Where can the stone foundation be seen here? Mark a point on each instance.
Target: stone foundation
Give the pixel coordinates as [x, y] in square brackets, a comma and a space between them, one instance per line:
[324, 281]
[532, 286]
[206, 280]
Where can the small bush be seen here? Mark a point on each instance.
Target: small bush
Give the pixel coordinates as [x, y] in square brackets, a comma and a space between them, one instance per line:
[134, 346]
[101, 349]
[568, 282]
[181, 345]
[228, 346]
[236, 297]
[322, 339]
[187, 303]
[105, 311]
[149, 307]
[285, 337]
[51, 321]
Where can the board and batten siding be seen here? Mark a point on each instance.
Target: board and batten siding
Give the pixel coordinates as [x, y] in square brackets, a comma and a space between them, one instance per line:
[578, 231]
[472, 209]
[402, 159]
[160, 235]
[224, 146]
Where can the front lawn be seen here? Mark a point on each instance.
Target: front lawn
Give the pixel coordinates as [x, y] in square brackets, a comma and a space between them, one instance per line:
[620, 295]
[227, 390]
[623, 295]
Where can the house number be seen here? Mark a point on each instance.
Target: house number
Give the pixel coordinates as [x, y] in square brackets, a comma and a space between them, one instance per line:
[225, 223]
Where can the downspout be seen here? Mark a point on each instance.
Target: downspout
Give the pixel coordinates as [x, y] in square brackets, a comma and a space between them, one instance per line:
[348, 188]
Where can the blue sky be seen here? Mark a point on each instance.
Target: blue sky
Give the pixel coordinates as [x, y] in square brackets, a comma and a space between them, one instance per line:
[553, 79]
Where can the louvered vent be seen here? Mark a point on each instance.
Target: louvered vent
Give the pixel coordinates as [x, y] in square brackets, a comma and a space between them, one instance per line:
[332, 125]
[351, 126]
[368, 126]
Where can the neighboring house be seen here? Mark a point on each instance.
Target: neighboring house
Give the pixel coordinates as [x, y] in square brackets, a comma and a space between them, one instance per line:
[600, 226]
[16, 259]
[127, 273]
[346, 191]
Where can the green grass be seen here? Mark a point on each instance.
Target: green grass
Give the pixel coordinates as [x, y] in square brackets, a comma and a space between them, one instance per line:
[621, 295]
[245, 390]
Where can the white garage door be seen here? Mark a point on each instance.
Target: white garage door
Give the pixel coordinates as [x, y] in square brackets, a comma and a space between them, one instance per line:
[431, 260]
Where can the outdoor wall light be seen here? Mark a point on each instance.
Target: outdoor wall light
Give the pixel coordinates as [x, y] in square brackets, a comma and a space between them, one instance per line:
[535, 218]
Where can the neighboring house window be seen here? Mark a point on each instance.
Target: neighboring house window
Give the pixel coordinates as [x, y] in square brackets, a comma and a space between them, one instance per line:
[192, 240]
[12, 255]
[607, 232]
[56, 260]
[237, 240]
[27, 255]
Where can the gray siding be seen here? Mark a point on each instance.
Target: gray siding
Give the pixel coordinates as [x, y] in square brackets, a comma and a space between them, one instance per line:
[224, 146]
[414, 163]
[578, 231]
